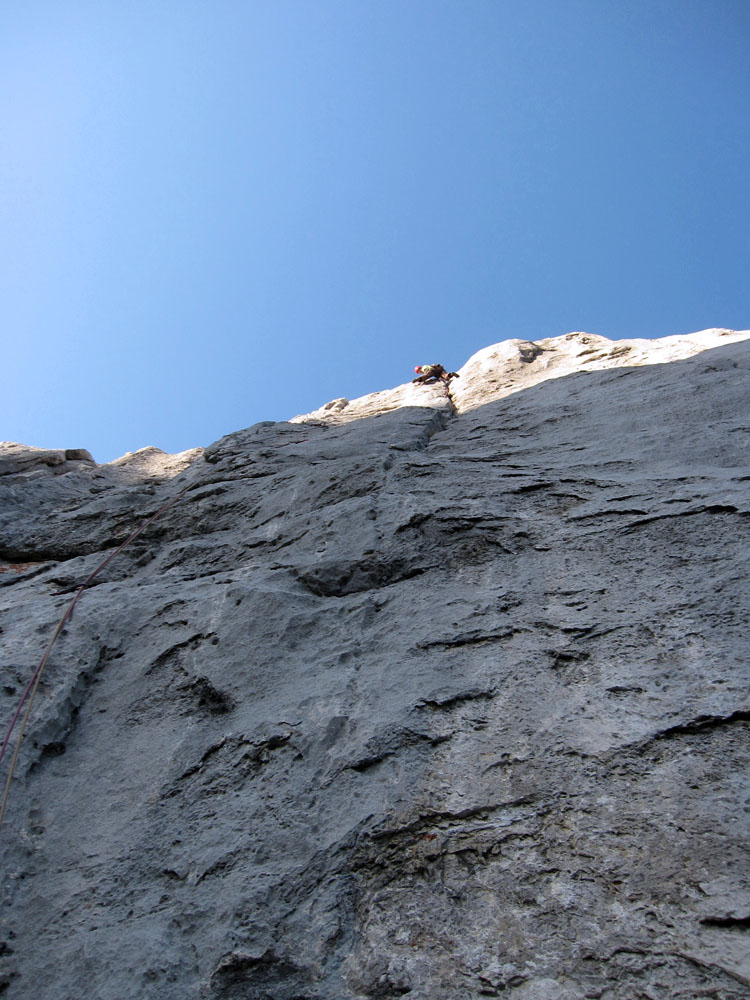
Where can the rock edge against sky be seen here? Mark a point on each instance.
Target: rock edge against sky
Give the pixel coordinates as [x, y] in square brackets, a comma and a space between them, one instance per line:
[426, 695]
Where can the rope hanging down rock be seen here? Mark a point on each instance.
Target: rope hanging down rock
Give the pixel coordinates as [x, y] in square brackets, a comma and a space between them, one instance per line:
[33, 684]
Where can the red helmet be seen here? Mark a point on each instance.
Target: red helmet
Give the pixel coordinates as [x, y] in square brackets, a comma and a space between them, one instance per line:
[418, 369]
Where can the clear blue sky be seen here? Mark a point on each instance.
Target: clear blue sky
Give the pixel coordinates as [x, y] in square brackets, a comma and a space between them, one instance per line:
[215, 213]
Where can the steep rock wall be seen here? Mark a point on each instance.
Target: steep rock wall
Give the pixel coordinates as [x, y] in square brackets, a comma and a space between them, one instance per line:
[421, 694]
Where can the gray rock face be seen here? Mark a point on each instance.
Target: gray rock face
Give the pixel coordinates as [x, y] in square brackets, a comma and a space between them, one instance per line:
[18, 458]
[426, 695]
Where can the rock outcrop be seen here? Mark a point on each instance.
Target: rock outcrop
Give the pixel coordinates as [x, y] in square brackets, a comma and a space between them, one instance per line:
[423, 694]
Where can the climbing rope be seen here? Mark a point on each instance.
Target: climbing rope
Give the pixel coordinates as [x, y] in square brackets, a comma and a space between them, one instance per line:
[33, 684]
[31, 687]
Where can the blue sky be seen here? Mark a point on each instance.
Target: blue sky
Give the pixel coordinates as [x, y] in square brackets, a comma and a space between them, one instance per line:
[218, 213]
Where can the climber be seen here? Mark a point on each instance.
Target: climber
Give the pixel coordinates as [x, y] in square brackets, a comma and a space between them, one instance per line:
[429, 373]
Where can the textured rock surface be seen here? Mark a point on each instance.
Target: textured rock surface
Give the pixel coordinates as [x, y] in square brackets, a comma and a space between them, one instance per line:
[15, 458]
[426, 695]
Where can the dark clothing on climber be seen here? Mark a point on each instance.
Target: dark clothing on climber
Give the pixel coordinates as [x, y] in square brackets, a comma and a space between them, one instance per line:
[433, 373]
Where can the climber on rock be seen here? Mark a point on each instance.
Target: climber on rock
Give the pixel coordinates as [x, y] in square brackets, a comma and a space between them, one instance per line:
[433, 373]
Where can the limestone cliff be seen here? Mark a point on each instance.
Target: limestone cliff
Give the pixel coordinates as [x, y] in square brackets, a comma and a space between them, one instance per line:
[431, 695]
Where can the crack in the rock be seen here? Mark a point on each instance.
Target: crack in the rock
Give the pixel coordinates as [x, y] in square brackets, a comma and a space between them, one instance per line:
[740, 923]
[393, 747]
[471, 640]
[701, 724]
[253, 754]
[715, 508]
[610, 512]
[19, 572]
[475, 694]
[446, 817]
[192, 641]
[710, 967]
